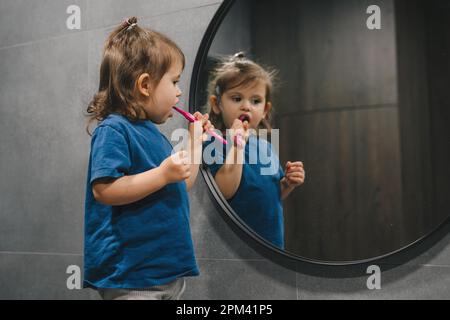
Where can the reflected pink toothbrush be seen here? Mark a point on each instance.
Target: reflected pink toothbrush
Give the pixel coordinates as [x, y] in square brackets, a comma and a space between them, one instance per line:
[238, 138]
[191, 118]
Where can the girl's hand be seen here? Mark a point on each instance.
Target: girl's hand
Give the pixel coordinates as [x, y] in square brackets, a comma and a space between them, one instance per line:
[294, 174]
[239, 132]
[176, 168]
[197, 135]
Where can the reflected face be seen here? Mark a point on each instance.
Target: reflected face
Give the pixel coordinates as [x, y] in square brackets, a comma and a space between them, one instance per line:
[247, 103]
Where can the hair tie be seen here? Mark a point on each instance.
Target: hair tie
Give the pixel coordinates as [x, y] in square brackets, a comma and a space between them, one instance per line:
[125, 22]
[128, 24]
[239, 56]
[131, 26]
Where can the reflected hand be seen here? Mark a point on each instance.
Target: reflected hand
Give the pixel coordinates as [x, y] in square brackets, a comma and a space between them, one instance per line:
[198, 135]
[294, 174]
[240, 129]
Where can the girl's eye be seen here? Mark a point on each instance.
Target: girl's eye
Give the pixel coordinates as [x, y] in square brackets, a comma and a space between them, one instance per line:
[175, 83]
[236, 99]
[256, 101]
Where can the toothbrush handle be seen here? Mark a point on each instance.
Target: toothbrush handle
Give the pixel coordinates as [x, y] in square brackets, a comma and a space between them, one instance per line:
[212, 133]
[192, 119]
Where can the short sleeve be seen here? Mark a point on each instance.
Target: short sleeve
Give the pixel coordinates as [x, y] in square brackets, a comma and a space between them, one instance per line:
[110, 156]
[281, 172]
[214, 168]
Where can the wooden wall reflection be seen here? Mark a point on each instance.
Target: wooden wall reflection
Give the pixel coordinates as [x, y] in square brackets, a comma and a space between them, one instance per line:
[356, 106]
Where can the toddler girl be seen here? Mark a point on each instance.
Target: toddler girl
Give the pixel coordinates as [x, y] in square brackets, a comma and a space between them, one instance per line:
[137, 236]
[241, 103]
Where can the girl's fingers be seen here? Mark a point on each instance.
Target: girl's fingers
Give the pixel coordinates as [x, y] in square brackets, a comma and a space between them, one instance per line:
[297, 164]
[201, 117]
[237, 124]
[291, 176]
[208, 126]
[295, 169]
[296, 179]
[198, 115]
[239, 132]
[205, 119]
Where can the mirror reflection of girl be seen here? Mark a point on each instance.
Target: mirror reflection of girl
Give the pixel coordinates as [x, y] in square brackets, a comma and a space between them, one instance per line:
[241, 100]
[138, 244]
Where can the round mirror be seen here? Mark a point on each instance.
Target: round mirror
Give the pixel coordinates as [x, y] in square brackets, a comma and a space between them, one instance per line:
[355, 92]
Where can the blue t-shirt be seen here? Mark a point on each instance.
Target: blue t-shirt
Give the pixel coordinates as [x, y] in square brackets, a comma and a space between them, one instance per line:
[257, 200]
[145, 243]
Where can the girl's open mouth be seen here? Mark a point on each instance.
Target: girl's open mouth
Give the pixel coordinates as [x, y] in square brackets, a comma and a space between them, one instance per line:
[244, 118]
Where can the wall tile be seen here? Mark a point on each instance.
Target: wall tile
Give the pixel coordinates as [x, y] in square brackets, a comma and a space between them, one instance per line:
[43, 145]
[103, 13]
[39, 277]
[213, 236]
[397, 282]
[240, 280]
[433, 250]
[27, 20]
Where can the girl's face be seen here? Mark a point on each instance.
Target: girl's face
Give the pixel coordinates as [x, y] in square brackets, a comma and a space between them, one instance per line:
[160, 100]
[248, 103]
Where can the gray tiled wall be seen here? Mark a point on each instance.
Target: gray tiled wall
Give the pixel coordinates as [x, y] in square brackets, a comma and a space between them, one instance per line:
[48, 74]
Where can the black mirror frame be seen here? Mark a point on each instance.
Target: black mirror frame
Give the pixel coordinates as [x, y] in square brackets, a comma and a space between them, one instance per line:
[254, 240]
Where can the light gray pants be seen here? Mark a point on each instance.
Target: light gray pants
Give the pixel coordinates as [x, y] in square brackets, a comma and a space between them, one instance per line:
[170, 291]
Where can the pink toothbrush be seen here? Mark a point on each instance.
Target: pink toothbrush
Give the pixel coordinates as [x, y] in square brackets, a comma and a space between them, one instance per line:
[238, 138]
[191, 118]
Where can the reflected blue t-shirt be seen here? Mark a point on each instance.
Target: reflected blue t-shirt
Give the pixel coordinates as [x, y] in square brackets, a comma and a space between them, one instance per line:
[146, 243]
[257, 200]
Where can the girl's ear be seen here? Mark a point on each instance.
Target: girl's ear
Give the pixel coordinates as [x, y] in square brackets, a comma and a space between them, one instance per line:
[267, 108]
[143, 84]
[213, 102]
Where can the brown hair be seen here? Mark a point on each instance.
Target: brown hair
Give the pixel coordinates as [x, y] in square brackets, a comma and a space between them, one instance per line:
[236, 71]
[129, 52]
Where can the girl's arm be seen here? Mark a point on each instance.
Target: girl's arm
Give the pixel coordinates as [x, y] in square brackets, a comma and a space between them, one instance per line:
[194, 155]
[195, 145]
[295, 176]
[286, 189]
[228, 177]
[129, 189]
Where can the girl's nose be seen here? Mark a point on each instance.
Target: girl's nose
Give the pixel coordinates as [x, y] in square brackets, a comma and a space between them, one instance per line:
[179, 92]
[245, 105]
